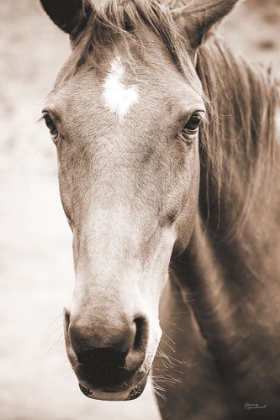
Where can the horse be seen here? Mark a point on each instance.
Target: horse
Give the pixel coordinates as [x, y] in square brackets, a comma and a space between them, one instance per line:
[168, 168]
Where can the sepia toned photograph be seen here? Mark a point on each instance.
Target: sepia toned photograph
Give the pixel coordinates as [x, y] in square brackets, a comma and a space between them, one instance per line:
[140, 210]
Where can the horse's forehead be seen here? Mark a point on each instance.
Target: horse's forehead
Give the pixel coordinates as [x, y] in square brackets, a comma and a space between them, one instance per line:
[123, 82]
[122, 85]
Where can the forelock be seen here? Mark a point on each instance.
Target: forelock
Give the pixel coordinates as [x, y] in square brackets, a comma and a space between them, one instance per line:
[120, 23]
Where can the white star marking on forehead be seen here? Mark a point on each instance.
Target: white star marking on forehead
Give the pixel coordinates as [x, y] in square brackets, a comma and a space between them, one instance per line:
[118, 97]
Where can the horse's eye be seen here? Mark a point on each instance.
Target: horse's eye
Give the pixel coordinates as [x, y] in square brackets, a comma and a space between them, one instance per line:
[51, 125]
[192, 125]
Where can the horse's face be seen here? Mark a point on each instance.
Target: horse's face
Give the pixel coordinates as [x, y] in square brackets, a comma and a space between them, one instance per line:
[127, 141]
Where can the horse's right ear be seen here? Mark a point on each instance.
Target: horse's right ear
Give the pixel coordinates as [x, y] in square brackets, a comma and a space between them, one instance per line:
[69, 15]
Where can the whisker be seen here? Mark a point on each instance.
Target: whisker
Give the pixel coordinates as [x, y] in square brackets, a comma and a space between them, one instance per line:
[172, 324]
[35, 154]
[169, 338]
[168, 346]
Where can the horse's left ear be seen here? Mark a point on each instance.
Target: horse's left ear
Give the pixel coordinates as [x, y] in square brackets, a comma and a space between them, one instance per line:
[198, 17]
[69, 15]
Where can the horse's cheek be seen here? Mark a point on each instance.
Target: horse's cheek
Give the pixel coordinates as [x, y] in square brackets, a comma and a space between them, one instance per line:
[189, 203]
[65, 187]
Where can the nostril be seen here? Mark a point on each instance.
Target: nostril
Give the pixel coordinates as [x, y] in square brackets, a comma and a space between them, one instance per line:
[66, 320]
[105, 346]
[141, 336]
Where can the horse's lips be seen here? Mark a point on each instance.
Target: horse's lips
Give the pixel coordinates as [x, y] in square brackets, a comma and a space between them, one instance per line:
[116, 395]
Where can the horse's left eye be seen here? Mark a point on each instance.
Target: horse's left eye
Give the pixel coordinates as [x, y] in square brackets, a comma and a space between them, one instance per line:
[192, 125]
[51, 125]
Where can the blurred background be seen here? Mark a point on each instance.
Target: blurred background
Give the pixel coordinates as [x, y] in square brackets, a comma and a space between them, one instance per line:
[36, 269]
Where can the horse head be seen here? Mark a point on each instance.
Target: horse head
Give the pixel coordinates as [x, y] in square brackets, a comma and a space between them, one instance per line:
[125, 115]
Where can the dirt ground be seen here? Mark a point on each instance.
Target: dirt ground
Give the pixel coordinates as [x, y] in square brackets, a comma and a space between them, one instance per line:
[36, 270]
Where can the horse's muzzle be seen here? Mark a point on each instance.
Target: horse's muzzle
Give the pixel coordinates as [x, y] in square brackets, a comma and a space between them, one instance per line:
[110, 371]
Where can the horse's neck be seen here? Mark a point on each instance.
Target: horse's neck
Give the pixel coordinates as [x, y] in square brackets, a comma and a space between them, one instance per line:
[235, 301]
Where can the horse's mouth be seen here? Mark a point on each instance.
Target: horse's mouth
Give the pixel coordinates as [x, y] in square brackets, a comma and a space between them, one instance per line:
[104, 374]
[125, 391]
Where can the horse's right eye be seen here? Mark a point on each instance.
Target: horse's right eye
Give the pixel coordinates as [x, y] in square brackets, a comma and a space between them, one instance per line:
[51, 126]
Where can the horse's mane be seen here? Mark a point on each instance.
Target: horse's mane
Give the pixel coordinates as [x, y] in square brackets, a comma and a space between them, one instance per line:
[237, 140]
